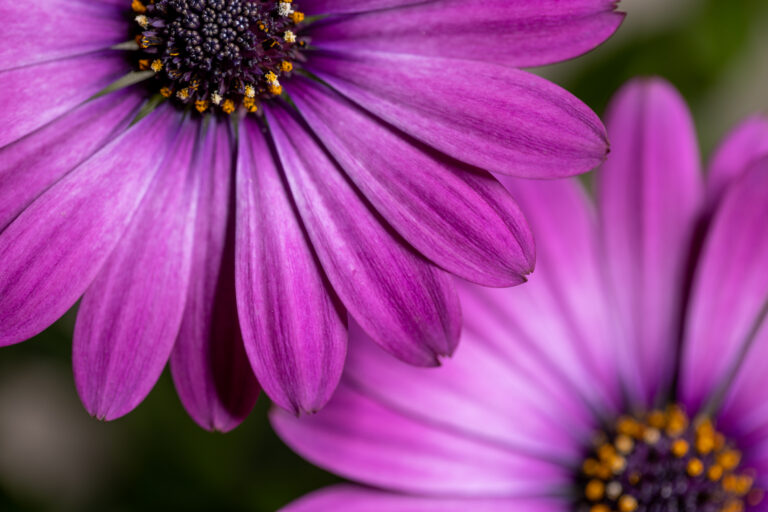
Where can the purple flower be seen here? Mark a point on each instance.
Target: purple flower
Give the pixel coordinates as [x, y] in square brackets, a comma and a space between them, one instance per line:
[629, 374]
[177, 223]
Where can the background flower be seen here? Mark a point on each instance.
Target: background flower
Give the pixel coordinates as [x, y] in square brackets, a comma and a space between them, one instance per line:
[592, 344]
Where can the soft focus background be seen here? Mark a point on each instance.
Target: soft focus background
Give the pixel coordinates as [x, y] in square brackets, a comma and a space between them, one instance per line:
[53, 456]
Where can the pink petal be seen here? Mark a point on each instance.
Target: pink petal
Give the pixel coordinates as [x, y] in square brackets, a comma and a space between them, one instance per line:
[294, 329]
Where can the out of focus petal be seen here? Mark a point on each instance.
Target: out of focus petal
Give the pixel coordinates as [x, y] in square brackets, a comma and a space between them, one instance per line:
[130, 315]
[649, 195]
[730, 289]
[52, 251]
[496, 118]
[35, 95]
[209, 365]
[407, 306]
[349, 498]
[460, 218]
[294, 329]
[516, 33]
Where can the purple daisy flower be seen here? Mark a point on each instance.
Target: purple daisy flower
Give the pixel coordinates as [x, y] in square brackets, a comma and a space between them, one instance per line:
[627, 375]
[350, 177]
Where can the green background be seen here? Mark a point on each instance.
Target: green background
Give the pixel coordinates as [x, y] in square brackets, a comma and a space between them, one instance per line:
[53, 456]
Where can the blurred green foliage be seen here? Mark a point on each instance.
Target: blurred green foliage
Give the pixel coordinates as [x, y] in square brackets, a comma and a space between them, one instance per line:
[159, 459]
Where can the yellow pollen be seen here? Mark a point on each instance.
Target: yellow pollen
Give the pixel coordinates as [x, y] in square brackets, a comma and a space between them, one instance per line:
[183, 94]
[143, 64]
[270, 77]
[590, 467]
[651, 435]
[695, 467]
[157, 65]
[595, 490]
[629, 427]
[166, 92]
[734, 506]
[624, 443]
[298, 17]
[142, 20]
[228, 106]
[627, 503]
[250, 92]
[600, 508]
[677, 421]
[286, 67]
[715, 472]
[248, 102]
[289, 37]
[679, 448]
[216, 98]
[729, 459]
[277, 90]
[201, 105]
[253, 108]
[137, 6]
[656, 419]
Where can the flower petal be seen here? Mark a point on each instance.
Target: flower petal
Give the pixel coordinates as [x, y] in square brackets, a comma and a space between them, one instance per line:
[130, 315]
[516, 33]
[745, 144]
[294, 329]
[35, 95]
[32, 164]
[730, 290]
[649, 194]
[361, 439]
[320, 7]
[45, 30]
[460, 218]
[403, 302]
[496, 118]
[52, 251]
[349, 498]
[209, 365]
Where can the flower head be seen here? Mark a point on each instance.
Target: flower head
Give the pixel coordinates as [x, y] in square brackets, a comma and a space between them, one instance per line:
[628, 375]
[225, 182]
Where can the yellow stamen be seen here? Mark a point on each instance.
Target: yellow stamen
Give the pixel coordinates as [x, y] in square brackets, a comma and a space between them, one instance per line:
[137, 6]
[627, 503]
[157, 65]
[286, 67]
[595, 490]
[679, 448]
[202, 105]
[228, 106]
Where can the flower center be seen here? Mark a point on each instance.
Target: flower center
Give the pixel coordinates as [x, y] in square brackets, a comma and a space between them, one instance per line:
[224, 53]
[664, 462]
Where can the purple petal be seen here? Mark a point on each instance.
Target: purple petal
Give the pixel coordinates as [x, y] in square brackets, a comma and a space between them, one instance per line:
[35, 95]
[361, 439]
[45, 30]
[730, 290]
[130, 315]
[745, 144]
[319, 7]
[32, 164]
[496, 118]
[461, 219]
[349, 498]
[209, 365]
[52, 251]
[294, 329]
[649, 194]
[403, 302]
[516, 33]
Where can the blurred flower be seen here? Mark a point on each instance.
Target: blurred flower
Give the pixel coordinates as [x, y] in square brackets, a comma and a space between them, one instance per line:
[629, 374]
[348, 177]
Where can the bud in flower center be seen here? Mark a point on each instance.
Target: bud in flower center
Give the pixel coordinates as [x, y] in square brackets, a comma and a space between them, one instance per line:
[662, 461]
[218, 53]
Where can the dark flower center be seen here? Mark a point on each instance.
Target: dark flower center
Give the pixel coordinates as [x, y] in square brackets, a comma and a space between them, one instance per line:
[664, 462]
[223, 53]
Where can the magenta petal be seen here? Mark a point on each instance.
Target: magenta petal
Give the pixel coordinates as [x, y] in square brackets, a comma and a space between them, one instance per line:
[349, 498]
[52, 251]
[730, 290]
[319, 7]
[32, 164]
[649, 194]
[513, 123]
[745, 144]
[130, 315]
[209, 365]
[516, 33]
[44, 30]
[35, 95]
[294, 330]
[404, 303]
[361, 439]
[461, 219]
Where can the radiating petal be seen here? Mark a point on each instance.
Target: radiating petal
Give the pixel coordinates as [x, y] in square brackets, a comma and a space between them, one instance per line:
[745, 144]
[32, 164]
[403, 302]
[44, 30]
[35, 95]
[52, 251]
[349, 498]
[319, 7]
[460, 218]
[209, 365]
[730, 290]
[294, 329]
[130, 315]
[649, 194]
[496, 118]
[361, 439]
[516, 33]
